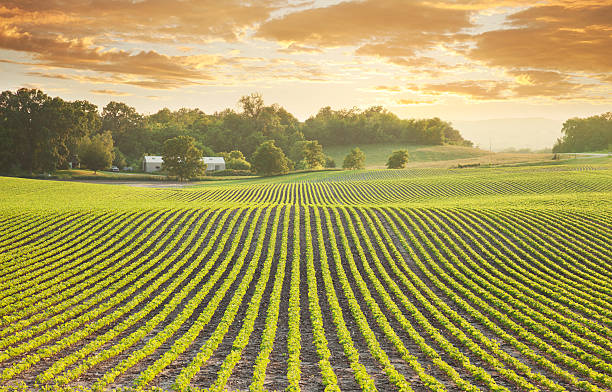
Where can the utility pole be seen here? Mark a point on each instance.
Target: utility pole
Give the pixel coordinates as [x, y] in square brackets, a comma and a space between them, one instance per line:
[490, 150]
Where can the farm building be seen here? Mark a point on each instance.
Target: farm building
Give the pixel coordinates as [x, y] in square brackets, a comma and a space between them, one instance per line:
[214, 163]
[153, 163]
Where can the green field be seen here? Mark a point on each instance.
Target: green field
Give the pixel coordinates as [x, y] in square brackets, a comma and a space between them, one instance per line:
[423, 279]
[378, 154]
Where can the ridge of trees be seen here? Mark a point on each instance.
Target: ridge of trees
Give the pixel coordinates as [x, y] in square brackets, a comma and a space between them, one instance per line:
[586, 134]
[39, 133]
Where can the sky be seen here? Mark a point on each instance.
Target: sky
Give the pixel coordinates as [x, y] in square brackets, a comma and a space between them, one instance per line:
[457, 60]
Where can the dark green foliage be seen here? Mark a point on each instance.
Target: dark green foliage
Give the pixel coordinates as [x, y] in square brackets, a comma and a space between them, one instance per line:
[354, 160]
[377, 125]
[269, 159]
[398, 159]
[119, 159]
[234, 160]
[39, 133]
[237, 164]
[182, 158]
[586, 134]
[329, 162]
[96, 152]
[308, 154]
[231, 172]
[127, 127]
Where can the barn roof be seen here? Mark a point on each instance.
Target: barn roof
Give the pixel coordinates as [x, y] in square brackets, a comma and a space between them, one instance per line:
[153, 159]
[159, 159]
[213, 160]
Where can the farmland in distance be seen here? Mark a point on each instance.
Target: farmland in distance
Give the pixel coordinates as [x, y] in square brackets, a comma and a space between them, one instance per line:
[414, 280]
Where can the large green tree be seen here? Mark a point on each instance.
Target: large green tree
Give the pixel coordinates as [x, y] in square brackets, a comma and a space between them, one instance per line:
[354, 160]
[312, 154]
[127, 126]
[235, 160]
[96, 152]
[40, 133]
[398, 159]
[268, 160]
[377, 125]
[586, 134]
[182, 158]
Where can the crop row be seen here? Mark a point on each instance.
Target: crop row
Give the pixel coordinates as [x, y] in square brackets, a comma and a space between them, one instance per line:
[436, 299]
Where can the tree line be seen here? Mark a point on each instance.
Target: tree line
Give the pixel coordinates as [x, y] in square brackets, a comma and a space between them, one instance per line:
[586, 134]
[39, 133]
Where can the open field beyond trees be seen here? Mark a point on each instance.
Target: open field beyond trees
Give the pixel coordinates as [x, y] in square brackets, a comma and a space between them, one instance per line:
[445, 156]
[414, 280]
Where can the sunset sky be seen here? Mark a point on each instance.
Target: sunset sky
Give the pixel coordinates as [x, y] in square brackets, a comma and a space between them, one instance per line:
[458, 60]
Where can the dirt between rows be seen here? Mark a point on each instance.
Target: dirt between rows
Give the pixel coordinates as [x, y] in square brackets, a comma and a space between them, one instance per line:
[276, 372]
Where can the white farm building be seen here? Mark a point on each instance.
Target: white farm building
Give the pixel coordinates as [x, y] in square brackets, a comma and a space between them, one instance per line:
[153, 163]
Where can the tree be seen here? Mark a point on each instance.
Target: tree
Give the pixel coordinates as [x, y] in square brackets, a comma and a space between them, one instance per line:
[376, 125]
[354, 160]
[182, 158]
[235, 160]
[235, 154]
[398, 159]
[96, 153]
[586, 134]
[252, 105]
[127, 127]
[313, 154]
[38, 132]
[119, 159]
[270, 160]
[238, 164]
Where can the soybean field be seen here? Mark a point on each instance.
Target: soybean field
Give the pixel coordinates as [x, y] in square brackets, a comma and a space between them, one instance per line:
[481, 279]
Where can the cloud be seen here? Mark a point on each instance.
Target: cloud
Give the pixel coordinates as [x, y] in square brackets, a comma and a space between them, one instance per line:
[545, 83]
[355, 22]
[481, 89]
[572, 37]
[72, 34]
[408, 102]
[296, 48]
[391, 29]
[392, 89]
[524, 84]
[552, 48]
[111, 92]
[180, 20]
[153, 67]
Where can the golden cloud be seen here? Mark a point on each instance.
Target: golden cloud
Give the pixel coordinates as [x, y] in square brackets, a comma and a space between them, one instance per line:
[189, 20]
[572, 37]
[296, 48]
[356, 22]
[58, 52]
[392, 89]
[545, 83]
[481, 89]
[72, 34]
[545, 50]
[111, 92]
[408, 102]
[391, 29]
[525, 84]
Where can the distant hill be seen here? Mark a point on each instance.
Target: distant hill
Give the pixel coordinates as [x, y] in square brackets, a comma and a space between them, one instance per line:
[377, 154]
[534, 133]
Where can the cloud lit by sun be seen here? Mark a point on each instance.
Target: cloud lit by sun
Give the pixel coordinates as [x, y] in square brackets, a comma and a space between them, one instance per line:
[304, 54]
